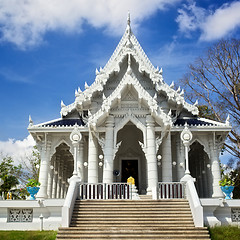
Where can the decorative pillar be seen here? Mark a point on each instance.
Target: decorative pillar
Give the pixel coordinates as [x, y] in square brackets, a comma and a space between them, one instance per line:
[92, 159]
[80, 159]
[59, 182]
[216, 171]
[44, 168]
[108, 151]
[186, 137]
[59, 187]
[63, 189]
[55, 180]
[50, 181]
[180, 159]
[151, 155]
[75, 137]
[167, 158]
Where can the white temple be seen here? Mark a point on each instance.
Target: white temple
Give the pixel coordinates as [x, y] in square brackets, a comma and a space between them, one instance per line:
[129, 122]
[133, 119]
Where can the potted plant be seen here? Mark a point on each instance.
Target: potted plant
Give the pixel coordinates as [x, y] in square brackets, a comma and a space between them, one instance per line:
[227, 185]
[33, 188]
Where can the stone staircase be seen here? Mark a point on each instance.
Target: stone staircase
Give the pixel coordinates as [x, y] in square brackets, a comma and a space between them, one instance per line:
[129, 219]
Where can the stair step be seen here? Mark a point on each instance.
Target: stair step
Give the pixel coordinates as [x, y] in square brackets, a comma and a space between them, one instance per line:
[133, 231]
[132, 219]
[131, 215]
[136, 236]
[157, 222]
[181, 228]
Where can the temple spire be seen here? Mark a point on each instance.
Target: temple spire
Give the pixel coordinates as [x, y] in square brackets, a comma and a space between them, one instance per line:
[128, 20]
[128, 24]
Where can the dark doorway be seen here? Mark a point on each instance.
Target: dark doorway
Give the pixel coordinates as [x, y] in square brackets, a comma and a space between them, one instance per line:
[130, 168]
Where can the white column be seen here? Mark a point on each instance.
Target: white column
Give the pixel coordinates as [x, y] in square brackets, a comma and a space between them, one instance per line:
[167, 159]
[80, 167]
[75, 137]
[59, 182]
[54, 190]
[59, 187]
[151, 155]
[108, 151]
[216, 172]
[75, 157]
[55, 180]
[50, 182]
[180, 159]
[63, 189]
[92, 159]
[43, 174]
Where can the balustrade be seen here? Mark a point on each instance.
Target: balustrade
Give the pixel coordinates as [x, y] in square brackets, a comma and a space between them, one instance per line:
[105, 191]
[170, 190]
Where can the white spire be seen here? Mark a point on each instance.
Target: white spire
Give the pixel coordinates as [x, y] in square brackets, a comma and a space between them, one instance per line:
[128, 25]
[227, 120]
[30, 120]
[128, 20]
[62, 104]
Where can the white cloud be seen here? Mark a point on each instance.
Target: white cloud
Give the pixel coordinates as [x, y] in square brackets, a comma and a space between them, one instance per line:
[213, 25]
[24, 22]
[190, 18]
[223, 21]
[17, 149]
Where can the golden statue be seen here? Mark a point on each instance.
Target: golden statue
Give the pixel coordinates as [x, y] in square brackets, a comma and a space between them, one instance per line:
[131, 180]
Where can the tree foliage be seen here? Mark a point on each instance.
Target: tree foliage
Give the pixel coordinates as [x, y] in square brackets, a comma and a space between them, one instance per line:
[31, 166]
[214, 80]
[10, 174]
[16, 177]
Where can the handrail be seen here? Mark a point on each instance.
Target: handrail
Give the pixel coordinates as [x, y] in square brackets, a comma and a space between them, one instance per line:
[72, 194]
[194, 202]
[105, 191]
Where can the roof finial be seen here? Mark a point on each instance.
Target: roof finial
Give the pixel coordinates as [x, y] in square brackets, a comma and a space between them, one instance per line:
[128, 25]
[128, 20]
[30, 121]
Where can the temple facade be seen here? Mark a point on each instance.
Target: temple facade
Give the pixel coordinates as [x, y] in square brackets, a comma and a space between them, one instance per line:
[129, 122]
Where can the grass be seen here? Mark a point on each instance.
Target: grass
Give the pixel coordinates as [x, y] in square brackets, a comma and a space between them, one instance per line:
[224, 233]
[217, 233]
[28, 235]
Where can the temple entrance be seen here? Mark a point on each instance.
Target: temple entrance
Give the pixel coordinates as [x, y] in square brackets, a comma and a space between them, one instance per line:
[130, 169]
[198, 166]
[130, 159]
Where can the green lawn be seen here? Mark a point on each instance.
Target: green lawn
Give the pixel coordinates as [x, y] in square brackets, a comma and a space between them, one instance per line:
[28, 235]
[217, 233]
[225, 233]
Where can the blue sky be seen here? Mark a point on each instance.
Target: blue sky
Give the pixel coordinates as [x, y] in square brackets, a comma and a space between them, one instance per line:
[50, 48]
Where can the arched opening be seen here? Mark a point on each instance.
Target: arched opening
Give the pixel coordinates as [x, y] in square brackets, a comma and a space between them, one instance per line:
[130, 159]
[62, 161]
[199, 165]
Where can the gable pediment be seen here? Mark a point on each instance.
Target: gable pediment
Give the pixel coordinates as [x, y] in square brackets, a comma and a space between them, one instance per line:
[128, 66]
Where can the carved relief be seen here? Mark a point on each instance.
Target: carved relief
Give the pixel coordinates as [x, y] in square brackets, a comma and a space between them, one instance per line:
[20, 215]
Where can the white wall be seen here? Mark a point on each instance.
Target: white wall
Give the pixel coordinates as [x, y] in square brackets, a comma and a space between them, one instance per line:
[51, 209]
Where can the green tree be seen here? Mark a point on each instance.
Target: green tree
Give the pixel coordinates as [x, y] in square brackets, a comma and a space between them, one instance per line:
[10, 174]
[214, 80]
[31, 166]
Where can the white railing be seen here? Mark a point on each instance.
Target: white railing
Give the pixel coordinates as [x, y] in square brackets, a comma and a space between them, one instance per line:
[67, 209]
[170, 190]
[194, 202]
[105, 191]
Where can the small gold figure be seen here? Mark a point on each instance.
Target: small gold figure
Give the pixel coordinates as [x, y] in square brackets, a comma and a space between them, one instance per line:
[9, 196]
[131, 180]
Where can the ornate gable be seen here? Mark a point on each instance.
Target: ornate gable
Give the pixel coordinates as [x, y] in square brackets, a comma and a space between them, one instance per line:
[130, 88]
[127, 59]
